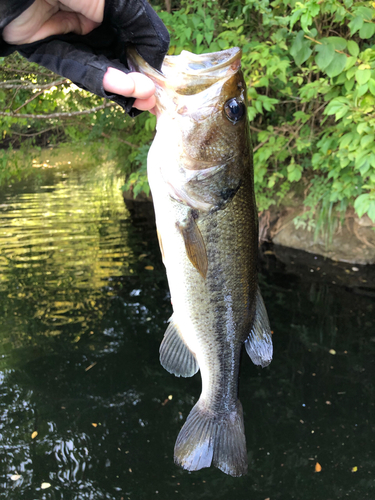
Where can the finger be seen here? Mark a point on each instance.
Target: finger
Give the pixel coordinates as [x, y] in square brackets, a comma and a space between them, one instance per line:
[145, 104]
[128, 84]
[61, 23]
[29, 22]
[91, 9]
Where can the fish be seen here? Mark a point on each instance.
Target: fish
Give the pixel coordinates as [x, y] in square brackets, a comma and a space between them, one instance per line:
[200, 172]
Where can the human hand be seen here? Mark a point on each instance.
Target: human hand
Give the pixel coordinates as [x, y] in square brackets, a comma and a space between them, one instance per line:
[45, 18]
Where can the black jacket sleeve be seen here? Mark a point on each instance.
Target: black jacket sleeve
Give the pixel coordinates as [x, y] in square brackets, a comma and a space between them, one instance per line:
[84, 59]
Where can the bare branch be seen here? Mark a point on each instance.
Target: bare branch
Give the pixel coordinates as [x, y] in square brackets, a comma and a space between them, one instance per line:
[17, 84]
[59, 115]
[18, 71]
[34, 133]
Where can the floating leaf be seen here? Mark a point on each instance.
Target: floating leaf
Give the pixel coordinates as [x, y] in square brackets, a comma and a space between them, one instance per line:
[354, 469]
[149, 268]
[15, 477]
[318, 467]
[34, 434]
[332, 351]
[94, 424]
[44, 486]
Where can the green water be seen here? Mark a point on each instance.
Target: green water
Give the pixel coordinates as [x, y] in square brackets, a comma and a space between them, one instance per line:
[83, 307]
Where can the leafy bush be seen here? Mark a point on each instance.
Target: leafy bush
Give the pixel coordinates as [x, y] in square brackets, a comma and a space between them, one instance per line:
[310, 70]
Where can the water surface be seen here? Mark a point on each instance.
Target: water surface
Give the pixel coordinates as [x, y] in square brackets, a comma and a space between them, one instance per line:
[87, 408]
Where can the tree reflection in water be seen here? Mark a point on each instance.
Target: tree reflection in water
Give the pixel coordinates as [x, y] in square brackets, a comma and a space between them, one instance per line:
[81, 320]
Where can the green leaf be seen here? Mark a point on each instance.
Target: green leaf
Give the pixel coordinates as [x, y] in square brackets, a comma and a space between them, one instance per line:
[367, 31]
[362, 127]
[337, 42]
[337, 65]
[371, 211]
[363, 76]
[324, 56]
[365, 12]
[371, 86]
[366, 140]
[349, 84]
[294, 172]
[362, 204]
[361, 90]
[341, 112]
[199, 39]
[356, 24]
[346, 140]
[208, 36]
[353, 48]
[300, 49]
[350, 62]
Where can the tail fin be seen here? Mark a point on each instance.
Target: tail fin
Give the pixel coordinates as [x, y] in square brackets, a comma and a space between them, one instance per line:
[207, 439]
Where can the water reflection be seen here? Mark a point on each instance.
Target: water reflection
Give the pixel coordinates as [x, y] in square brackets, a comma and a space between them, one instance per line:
[81, 319]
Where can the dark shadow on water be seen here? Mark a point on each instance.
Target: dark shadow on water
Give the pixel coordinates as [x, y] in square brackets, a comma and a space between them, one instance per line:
[84, 303]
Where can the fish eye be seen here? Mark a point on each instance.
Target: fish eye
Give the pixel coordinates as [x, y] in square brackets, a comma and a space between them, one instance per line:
[234, 110]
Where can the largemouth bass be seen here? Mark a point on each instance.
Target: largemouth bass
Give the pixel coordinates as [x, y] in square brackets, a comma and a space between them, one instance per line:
[201, 178]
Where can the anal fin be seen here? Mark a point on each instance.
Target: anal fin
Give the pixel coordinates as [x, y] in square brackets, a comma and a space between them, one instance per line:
[259, 342]
[175, 356]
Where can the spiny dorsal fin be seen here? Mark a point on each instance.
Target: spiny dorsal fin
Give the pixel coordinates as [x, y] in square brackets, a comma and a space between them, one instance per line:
[194, 244]
[175, 356]
[259, 343]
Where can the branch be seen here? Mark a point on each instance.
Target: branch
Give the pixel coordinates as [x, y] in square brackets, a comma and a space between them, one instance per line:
[12, 69]
[260, 144]
[11, 84]
[34, 133]
[255, 129]
[59, 115]
[320, 43]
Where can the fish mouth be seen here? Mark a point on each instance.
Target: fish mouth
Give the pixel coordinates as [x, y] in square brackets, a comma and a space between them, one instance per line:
[188, 73]
[212, 64]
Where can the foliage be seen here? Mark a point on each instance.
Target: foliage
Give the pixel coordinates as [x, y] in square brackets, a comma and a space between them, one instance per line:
[310, 69]
[41, 109]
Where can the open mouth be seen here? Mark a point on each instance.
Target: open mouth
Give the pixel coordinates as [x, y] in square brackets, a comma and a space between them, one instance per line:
[187, 73]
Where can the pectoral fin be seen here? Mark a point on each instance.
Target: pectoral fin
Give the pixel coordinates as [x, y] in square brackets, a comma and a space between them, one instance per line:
[194, 244]
[175, 356]
[259, 343]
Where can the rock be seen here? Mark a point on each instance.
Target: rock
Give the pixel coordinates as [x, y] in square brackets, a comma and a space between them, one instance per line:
[353, 241]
